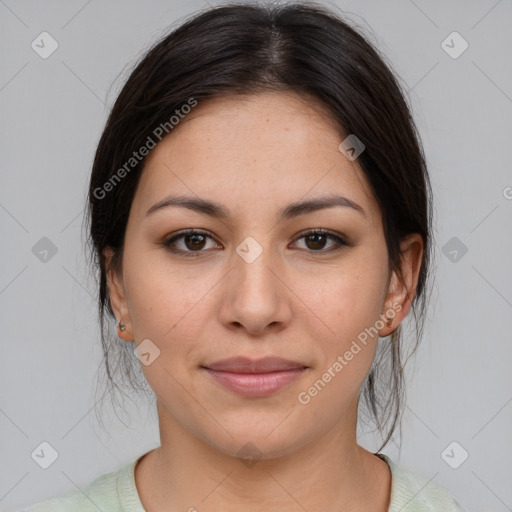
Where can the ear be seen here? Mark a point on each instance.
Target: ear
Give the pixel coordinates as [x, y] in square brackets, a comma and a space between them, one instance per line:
[116, 295]
[401, 292]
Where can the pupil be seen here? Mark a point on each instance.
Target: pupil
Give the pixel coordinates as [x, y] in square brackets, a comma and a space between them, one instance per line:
[195, 241]
[316, 236]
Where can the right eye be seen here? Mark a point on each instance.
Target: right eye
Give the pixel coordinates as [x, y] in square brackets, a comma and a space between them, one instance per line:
[192, 241]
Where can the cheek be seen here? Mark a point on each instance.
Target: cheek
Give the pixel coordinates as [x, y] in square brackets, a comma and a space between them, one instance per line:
[170, 307]
[350, 308]
[349, 302]
[159, 295]
[168, 313]
[349, 299]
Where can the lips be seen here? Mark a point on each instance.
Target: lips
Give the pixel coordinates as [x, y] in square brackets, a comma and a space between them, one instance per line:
[247, 365]
[252, 378]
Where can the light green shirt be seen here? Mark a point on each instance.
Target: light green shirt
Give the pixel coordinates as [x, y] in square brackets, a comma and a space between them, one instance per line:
[116, 492]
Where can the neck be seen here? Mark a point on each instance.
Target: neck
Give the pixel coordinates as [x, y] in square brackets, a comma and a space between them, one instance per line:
[330, 474]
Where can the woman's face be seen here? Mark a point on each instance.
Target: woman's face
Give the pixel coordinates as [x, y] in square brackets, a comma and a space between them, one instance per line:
[251, 283]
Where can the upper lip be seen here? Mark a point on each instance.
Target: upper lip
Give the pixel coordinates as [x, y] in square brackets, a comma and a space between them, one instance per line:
[248, 365]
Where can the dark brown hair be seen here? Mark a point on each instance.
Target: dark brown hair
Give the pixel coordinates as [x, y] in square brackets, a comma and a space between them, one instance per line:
[302, 48]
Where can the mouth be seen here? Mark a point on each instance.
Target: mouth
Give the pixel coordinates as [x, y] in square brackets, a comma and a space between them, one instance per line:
[254, 378]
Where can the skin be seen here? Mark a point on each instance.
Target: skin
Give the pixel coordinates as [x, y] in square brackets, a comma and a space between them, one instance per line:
[299, 300]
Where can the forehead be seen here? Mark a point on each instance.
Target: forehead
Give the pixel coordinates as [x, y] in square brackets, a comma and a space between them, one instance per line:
[262, 150]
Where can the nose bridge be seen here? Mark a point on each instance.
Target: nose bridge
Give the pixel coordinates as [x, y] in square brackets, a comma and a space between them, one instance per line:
[254, 261]
[255, 296]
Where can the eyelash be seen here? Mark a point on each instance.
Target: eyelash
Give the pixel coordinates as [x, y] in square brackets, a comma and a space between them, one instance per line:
[168, 244]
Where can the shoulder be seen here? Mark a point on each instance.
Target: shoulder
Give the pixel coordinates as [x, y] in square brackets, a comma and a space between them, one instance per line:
[412, 492]
[101, 494]
[109, 492]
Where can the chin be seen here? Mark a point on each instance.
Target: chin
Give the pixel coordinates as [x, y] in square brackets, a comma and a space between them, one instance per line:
[251, 449]
[259, 437]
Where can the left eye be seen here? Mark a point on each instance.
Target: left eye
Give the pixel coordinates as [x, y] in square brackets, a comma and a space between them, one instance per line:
[194, 241]
[318, 238]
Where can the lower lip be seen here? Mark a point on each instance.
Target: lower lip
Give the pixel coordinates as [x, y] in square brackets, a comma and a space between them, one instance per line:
[256, 384]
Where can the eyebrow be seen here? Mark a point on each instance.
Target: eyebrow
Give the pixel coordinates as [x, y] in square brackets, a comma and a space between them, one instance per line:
[216, 210]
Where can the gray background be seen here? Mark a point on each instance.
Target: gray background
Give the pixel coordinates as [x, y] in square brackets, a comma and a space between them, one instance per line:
[52, 114]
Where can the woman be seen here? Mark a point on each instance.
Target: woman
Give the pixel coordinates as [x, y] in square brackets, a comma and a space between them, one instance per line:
[260, 212]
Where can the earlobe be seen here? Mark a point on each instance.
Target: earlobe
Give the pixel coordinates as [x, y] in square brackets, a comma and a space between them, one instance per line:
[402, 289]
[393, 306]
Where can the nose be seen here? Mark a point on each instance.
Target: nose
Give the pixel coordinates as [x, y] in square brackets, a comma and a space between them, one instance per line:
[255, 295]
